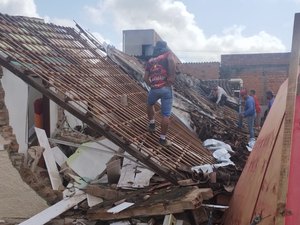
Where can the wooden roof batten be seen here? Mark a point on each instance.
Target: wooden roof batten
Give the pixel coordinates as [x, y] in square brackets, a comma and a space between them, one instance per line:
[71, 70]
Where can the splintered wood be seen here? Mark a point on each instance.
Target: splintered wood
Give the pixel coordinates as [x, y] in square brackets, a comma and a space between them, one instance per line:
[162, 202]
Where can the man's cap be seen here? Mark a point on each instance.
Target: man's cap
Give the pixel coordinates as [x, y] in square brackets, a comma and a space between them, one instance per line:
[269, 93]
[160, 48]
[161, 44]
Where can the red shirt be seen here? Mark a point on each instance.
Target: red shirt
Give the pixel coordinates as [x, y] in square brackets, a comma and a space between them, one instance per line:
[257, 106]
[158, 70]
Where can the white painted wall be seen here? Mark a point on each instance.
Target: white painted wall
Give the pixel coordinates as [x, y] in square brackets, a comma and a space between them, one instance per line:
[19, 98]
[16, 96]
[53, 116]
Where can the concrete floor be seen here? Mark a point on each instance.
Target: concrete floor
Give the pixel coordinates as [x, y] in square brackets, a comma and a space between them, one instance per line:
[17, 199]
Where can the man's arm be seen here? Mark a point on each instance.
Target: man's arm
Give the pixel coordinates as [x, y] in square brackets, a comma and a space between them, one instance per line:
[220, 92]
[146, 78]
[171, 69]
[250, 107]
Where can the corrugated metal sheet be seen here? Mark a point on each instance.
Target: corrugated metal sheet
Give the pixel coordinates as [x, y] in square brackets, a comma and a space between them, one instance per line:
[81, 79]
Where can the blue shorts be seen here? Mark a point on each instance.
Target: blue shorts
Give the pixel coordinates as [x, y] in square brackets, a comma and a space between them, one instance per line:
[165, 94]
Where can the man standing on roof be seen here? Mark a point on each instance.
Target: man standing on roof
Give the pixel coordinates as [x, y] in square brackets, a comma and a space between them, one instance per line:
[248, 113]
[257, 108]
[218, 95]
[160, 76]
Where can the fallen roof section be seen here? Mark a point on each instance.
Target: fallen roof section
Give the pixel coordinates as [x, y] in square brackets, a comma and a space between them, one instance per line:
[80, 78]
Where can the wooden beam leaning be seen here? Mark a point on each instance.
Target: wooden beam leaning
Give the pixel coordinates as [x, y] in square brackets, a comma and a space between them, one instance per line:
[166, 173]
[282, 210]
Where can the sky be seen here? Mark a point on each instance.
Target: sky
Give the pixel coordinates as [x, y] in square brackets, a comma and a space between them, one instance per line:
[196, 30]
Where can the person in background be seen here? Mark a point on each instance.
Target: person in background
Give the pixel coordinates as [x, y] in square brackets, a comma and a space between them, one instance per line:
[257, 108]
[218, 95]
[270, 98]
[248, 113]
[160, 76]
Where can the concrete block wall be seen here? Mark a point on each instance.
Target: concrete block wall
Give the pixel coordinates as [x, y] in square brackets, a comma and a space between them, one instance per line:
[203, 71]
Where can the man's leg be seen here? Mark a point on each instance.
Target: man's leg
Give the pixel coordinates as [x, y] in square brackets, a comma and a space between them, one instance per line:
[250, 121]
[223, 100]
[152, 98]
[165, 125]
[240, 122]
[150, 112]
[166, 108]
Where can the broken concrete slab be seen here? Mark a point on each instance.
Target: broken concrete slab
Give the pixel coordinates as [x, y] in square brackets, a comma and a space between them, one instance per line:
[55, 178]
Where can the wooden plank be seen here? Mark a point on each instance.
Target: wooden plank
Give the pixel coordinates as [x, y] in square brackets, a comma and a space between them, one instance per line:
[176, 200]
[55, 179]
[103, 192]
[289, 128]
[93, 200]
[60, 157]
[55, 210]
[120, 207]
[293, 194]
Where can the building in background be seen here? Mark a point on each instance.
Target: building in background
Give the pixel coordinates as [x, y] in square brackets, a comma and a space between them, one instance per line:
[139, 42]
[262, 71]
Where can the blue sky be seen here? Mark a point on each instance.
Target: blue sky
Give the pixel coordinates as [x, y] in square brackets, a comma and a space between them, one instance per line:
[196, 30]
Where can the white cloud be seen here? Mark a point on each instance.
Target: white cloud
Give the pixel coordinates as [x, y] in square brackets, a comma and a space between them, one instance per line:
[171, 20]
[19, 7]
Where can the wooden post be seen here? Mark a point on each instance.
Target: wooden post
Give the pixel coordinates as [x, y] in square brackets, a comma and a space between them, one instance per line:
[285, 214]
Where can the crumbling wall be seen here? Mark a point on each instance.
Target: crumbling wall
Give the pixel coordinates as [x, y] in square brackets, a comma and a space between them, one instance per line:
[18, 159]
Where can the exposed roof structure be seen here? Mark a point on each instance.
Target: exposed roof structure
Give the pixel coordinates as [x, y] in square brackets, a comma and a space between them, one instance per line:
[79, 77]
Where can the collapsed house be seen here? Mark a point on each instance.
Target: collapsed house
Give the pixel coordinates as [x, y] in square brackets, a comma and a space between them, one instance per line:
[103, 88]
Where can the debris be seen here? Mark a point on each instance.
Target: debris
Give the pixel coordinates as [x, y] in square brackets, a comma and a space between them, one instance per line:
[133, 176]
[34, 155]
[49, 159]
[60, 157]
[55, 210]
[162, 202]
[169, 220]
[120, 207]
[89, 161]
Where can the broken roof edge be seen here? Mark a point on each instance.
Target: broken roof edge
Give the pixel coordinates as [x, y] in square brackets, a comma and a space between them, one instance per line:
[94, 125]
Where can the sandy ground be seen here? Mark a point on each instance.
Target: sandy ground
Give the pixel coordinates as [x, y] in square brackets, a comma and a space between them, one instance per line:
[17, 199]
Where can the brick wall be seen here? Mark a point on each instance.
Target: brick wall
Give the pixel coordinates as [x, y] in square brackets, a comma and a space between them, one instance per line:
[203, 71]
[261, 72]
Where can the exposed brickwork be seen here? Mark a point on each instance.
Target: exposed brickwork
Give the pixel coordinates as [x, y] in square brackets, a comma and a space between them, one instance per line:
[203, 71]
[11, 145]
[261, 72]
